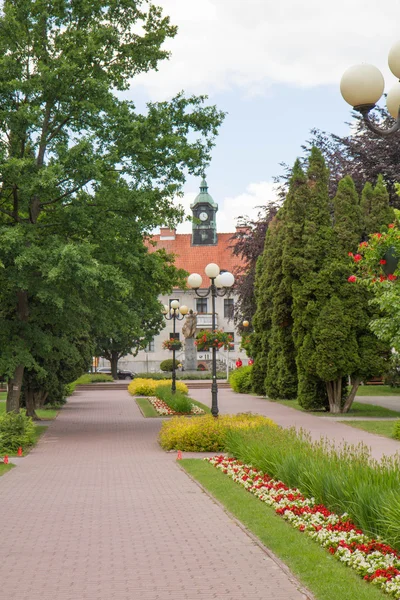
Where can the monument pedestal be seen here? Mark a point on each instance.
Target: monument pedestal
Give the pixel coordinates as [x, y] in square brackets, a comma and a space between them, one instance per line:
[190, 355]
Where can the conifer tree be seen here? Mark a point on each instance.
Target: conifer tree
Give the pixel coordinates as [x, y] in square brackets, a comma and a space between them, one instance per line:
[375, 206]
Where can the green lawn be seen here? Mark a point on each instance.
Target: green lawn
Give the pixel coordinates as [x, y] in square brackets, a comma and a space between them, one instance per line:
[320, 572]
[358, 409]
[379, 427]
[377, 390]
[148, 409]
[3, 395]
[47, 414]
[4, 468]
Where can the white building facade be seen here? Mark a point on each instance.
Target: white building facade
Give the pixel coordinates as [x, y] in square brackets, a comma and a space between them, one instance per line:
[192, 253]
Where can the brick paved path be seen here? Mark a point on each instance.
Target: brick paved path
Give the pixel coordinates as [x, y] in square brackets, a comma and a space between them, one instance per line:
[98, 512]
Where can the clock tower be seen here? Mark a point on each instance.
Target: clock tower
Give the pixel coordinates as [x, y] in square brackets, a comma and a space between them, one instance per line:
[204, 210]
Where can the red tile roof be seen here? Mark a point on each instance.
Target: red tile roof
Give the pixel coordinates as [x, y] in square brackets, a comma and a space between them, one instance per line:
[195, 258]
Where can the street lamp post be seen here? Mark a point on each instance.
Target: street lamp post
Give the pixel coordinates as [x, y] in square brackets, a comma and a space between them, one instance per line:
[176, 313]
[220, 285]
[362, 86]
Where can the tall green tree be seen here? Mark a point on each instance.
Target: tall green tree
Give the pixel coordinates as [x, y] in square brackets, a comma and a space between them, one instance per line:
[80, 169]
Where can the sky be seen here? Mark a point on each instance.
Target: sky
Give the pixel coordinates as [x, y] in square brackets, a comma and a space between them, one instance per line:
[274, 66]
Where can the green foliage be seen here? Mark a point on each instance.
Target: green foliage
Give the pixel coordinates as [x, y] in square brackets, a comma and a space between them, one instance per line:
[179, 402]
[84, 178]
[396, 430]
[207, 339]
[240, 380]
[183, 375]
[16, 429]
[206, 433]
[344, 480]
[392, 375]
[168, 365]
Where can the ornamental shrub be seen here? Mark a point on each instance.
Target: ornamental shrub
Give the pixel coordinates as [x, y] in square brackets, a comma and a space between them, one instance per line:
[147, 387]
[16, 429]
[206, 433]
[396, 430]
[168, 365]
[240, 380]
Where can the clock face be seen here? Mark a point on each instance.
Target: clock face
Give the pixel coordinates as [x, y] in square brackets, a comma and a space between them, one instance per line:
[203, 216]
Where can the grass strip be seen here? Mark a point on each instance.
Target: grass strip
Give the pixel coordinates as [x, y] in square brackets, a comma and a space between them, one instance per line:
[148, 409]
[378, 390]
[384, 428]
[358, 409]
[317, 570]
[4, 468]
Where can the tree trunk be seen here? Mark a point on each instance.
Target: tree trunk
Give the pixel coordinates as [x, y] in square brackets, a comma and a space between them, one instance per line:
[334, 389]
[114, 365]
[14, 389]
[40, 398]
[350, 399]
[15, 382]
[30, 404]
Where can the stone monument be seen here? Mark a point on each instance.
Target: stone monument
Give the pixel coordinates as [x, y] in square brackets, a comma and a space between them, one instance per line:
[189, 332]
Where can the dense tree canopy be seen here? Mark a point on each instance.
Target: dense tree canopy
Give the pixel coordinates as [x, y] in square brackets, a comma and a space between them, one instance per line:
[83, 175]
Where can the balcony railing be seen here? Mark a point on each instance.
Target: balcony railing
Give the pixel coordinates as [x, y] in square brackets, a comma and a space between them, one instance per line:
[204, 320]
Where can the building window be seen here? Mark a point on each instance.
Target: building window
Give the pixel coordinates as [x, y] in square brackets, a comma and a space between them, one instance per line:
[228, 308]
[150, 346]
[201, 305]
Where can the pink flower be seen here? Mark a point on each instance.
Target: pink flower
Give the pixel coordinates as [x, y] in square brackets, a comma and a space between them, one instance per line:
[352, 279]
[363, 245]
[382, 261]
[392, 277]
[357, 257]
[391, 225]
[351, 254]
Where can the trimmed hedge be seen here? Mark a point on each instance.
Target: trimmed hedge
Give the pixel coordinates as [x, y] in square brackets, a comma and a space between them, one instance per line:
[240, 380]
[147, 387]
[206, 433]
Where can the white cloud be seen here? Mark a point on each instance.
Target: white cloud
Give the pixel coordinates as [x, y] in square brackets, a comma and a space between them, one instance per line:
[233, 207]
[230, 44]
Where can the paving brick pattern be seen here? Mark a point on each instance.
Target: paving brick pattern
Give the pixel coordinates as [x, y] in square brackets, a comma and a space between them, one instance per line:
[98, 512]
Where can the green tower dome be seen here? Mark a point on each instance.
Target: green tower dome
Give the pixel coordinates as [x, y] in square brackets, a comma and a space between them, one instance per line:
[204, 196]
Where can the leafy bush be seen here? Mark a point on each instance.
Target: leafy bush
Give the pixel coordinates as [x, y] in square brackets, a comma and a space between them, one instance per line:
[179, 402]
[206, 434]
[392, 376]
[16, 429]
[240, 380]
[344, 479]
[396, 431]
[167, 365]
[69, 389]
[147, 387]
[93, 378]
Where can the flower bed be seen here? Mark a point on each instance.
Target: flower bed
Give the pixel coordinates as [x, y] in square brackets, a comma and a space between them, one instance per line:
[164, 410]
[375, 561]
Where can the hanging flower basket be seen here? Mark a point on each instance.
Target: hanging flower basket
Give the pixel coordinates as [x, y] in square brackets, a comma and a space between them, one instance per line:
[172, 344]
[207, 339]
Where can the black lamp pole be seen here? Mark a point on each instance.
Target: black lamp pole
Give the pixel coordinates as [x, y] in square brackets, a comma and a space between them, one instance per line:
[213, 291]
[174, 316]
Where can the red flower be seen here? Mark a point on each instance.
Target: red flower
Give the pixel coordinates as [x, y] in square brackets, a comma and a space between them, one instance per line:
[392, 277]
[357, 257]
[352, 279]
[391, 225]
[382, 278]
[363, 245]
[382, 261]
[378, 235]
[350, 254]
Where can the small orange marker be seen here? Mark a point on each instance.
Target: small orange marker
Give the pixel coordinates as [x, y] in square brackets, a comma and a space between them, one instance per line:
[179, 457]
[5, 459]
[19, 451]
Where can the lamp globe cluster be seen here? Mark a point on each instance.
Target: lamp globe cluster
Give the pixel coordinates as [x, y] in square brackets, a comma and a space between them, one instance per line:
[362, 85]
[212, 270]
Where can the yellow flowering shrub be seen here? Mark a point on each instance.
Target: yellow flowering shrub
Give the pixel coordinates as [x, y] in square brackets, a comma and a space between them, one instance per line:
[206, 434]
[147, 387]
